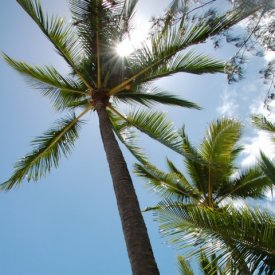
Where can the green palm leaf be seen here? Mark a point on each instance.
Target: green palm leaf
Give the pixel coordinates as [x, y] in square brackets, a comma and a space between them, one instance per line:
[164, 46]
[60, 34]
[156, 126]
[189, 62]
[167, 185]
[251, 232]
[263, 123]
[126, 136]
[47, 151]
[151, 96]
[249, 183]
[61, 90]
[267, 167]
[184, 266]
[196, 166]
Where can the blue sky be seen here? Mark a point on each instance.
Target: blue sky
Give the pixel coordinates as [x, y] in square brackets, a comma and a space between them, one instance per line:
[68, 222]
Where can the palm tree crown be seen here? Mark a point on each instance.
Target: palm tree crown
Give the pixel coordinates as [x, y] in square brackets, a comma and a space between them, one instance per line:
[196, 208]
[211, 169]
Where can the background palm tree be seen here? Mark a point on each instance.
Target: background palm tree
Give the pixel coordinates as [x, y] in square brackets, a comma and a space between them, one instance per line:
[195, 209]
[99, 79]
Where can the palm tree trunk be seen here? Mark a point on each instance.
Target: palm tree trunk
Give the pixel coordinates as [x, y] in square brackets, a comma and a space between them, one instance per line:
[135, 233]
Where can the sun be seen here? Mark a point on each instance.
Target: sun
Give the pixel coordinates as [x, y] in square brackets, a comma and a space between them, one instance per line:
[125, 48]
[129, 44]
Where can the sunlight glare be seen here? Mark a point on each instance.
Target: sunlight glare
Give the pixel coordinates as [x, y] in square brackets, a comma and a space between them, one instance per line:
[125, 48]
[129, 44]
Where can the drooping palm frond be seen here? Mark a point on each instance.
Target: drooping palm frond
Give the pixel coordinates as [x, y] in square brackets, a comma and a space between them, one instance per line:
[249, 232]
[61, 90]
[60, 34]
[47, 151]
[148, 97]
[126, 135]
[167, 185]
[155, 125]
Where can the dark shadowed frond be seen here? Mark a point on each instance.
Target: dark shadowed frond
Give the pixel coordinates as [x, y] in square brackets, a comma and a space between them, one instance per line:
[60, 34]
[47, 151]
[251, 233]
[98, 25]
[150, 95]
[268, 168]
[126, 15]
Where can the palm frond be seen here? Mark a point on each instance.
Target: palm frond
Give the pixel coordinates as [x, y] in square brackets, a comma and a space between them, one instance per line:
[164, 46]
[155, 125]
[267, 167]
[263, 123]
[47, 151]
[97, 23]
[219, 148]
[250, 183]
[126, 15]
[173, 168]
[126, 135]
[167, 185]
[249, 232]
[60, 34]
[196, 166]
[152, 96]
[221, 141]
[61, 90]
[189, 62]
[184, 266]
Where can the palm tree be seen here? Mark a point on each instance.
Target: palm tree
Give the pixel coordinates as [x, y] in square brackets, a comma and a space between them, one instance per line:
[99, 79]
[195, 209]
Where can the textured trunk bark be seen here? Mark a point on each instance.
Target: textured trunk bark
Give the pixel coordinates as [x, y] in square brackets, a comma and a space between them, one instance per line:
[135, 233]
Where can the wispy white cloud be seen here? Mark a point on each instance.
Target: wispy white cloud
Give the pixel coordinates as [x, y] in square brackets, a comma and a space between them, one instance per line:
[253, 145]
[229, 105]
[269, 55]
